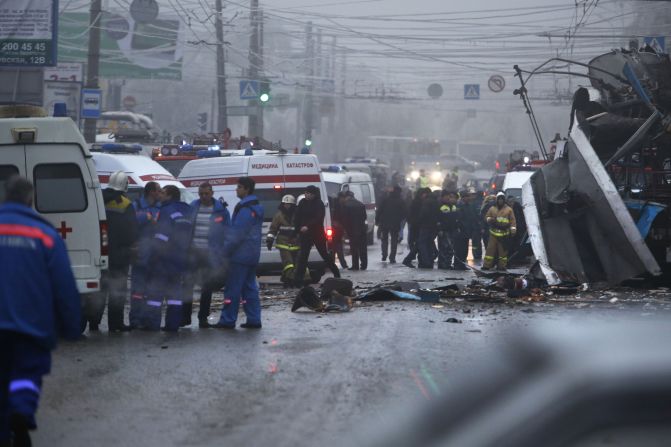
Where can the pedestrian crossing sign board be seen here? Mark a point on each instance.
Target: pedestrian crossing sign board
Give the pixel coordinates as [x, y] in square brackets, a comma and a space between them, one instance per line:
[658, 43]
[471, 91]
[249, 89]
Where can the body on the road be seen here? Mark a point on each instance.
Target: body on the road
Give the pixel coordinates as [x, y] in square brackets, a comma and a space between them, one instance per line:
[38, 299]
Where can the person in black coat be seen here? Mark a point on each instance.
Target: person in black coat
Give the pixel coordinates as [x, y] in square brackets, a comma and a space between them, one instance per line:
[429, 217]
[123, 235]
[356, 227]
[309, 221]
[389, 216]
[339, 227]
[413, 225]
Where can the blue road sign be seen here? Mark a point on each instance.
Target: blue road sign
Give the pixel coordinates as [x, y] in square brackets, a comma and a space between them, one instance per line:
[249, 89]
[471, 91]
[658, 43]
[92, 99]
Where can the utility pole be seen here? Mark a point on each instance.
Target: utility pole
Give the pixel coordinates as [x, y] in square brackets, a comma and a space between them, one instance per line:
[331, 73]
[93, 63]
[255, 120]
[222, 117]
[342, 123]
[319, 75]
[309, 58]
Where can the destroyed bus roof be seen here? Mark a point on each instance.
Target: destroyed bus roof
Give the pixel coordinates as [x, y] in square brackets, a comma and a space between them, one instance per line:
[579, 226]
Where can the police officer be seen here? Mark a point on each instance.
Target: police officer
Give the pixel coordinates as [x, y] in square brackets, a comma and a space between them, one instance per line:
[448, 227]
[282, 233]
[389, 216]
[310, 229]
[38, 300]
[206, 212]
[356, 227]
[169, 261]
[242, 247]
[122, 228]
[146, 212]
[502, 225]
[422, 181]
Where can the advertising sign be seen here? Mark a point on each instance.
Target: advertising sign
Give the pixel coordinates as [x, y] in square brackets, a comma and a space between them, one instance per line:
[72, 72]
[129, 49]
[66, 92]
[28, 33]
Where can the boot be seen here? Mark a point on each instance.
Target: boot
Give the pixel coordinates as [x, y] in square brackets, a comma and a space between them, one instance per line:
[19, 427]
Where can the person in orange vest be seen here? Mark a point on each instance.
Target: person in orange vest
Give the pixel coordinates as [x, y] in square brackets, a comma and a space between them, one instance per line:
[502, 225]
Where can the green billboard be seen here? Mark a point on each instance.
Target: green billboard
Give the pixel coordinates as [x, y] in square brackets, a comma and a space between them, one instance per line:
[128, 49]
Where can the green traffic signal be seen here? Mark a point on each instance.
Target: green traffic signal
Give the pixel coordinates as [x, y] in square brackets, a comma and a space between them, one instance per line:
[264, 97]
[264, 94]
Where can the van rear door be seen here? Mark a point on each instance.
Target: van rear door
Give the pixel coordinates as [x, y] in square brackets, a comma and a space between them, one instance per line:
[12, 162]
[65, 196]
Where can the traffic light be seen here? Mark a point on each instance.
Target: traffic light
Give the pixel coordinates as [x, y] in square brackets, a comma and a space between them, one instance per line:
[264, 93]
[202, 121]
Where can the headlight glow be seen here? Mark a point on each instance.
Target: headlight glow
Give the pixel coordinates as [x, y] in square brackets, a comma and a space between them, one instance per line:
[436, 176]
[414, 175]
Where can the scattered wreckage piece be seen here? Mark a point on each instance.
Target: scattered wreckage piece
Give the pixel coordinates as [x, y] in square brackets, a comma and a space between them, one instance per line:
[579, 227]
[336, 292]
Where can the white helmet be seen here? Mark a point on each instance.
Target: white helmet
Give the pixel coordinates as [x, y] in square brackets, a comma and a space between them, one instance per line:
[289, 199]
[118, 181]
[301, 197]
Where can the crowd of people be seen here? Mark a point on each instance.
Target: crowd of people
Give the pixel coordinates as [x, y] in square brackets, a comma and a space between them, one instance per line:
[442, 224]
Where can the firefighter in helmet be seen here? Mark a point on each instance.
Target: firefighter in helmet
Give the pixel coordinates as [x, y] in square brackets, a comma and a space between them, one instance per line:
[283, 234]
[502, 225]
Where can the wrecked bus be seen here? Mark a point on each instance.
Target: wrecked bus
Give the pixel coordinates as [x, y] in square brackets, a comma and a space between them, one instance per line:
[599, 212]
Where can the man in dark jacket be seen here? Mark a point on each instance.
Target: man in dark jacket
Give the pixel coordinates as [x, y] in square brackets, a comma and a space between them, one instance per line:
[169, 262]
[309, 223]
[413, 225]
[38, 301]
[338, 218]
[390, 214]
[242, 247]
[356, 227]
[122, 227]
[428, 230]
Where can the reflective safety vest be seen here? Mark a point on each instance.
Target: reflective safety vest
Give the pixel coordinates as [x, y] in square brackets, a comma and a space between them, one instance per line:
[423, 182]
[501, 221]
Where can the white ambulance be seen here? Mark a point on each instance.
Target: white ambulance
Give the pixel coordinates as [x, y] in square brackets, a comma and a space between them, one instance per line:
[52, 153]
[129, 158]
[275, 175]
[360, 184]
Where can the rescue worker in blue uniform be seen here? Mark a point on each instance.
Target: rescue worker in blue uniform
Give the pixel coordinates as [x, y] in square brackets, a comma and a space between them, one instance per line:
[38, 301]
[146, 212]
[207, 213]
[169, 260]
[242, 247]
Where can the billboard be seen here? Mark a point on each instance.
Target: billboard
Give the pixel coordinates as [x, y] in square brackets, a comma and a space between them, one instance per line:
[128, 49]
[28, 33]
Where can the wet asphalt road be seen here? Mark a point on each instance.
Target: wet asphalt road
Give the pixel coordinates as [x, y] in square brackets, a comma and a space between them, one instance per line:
[305, 379]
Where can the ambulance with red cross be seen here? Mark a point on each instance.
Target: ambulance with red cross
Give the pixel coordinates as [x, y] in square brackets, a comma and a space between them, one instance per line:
[275, 174]
[52, 153]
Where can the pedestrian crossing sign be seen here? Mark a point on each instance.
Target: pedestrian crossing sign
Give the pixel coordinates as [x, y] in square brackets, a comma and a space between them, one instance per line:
[658, 43]
[249, 89]
[471, 91]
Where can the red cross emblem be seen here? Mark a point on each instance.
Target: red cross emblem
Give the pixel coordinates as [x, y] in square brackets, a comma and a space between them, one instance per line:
[64, 230]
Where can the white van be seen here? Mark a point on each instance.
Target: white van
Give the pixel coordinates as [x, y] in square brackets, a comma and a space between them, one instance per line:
[112, 157]
[52, 153]
[513, 181]
[275, 175]
[361, 185]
